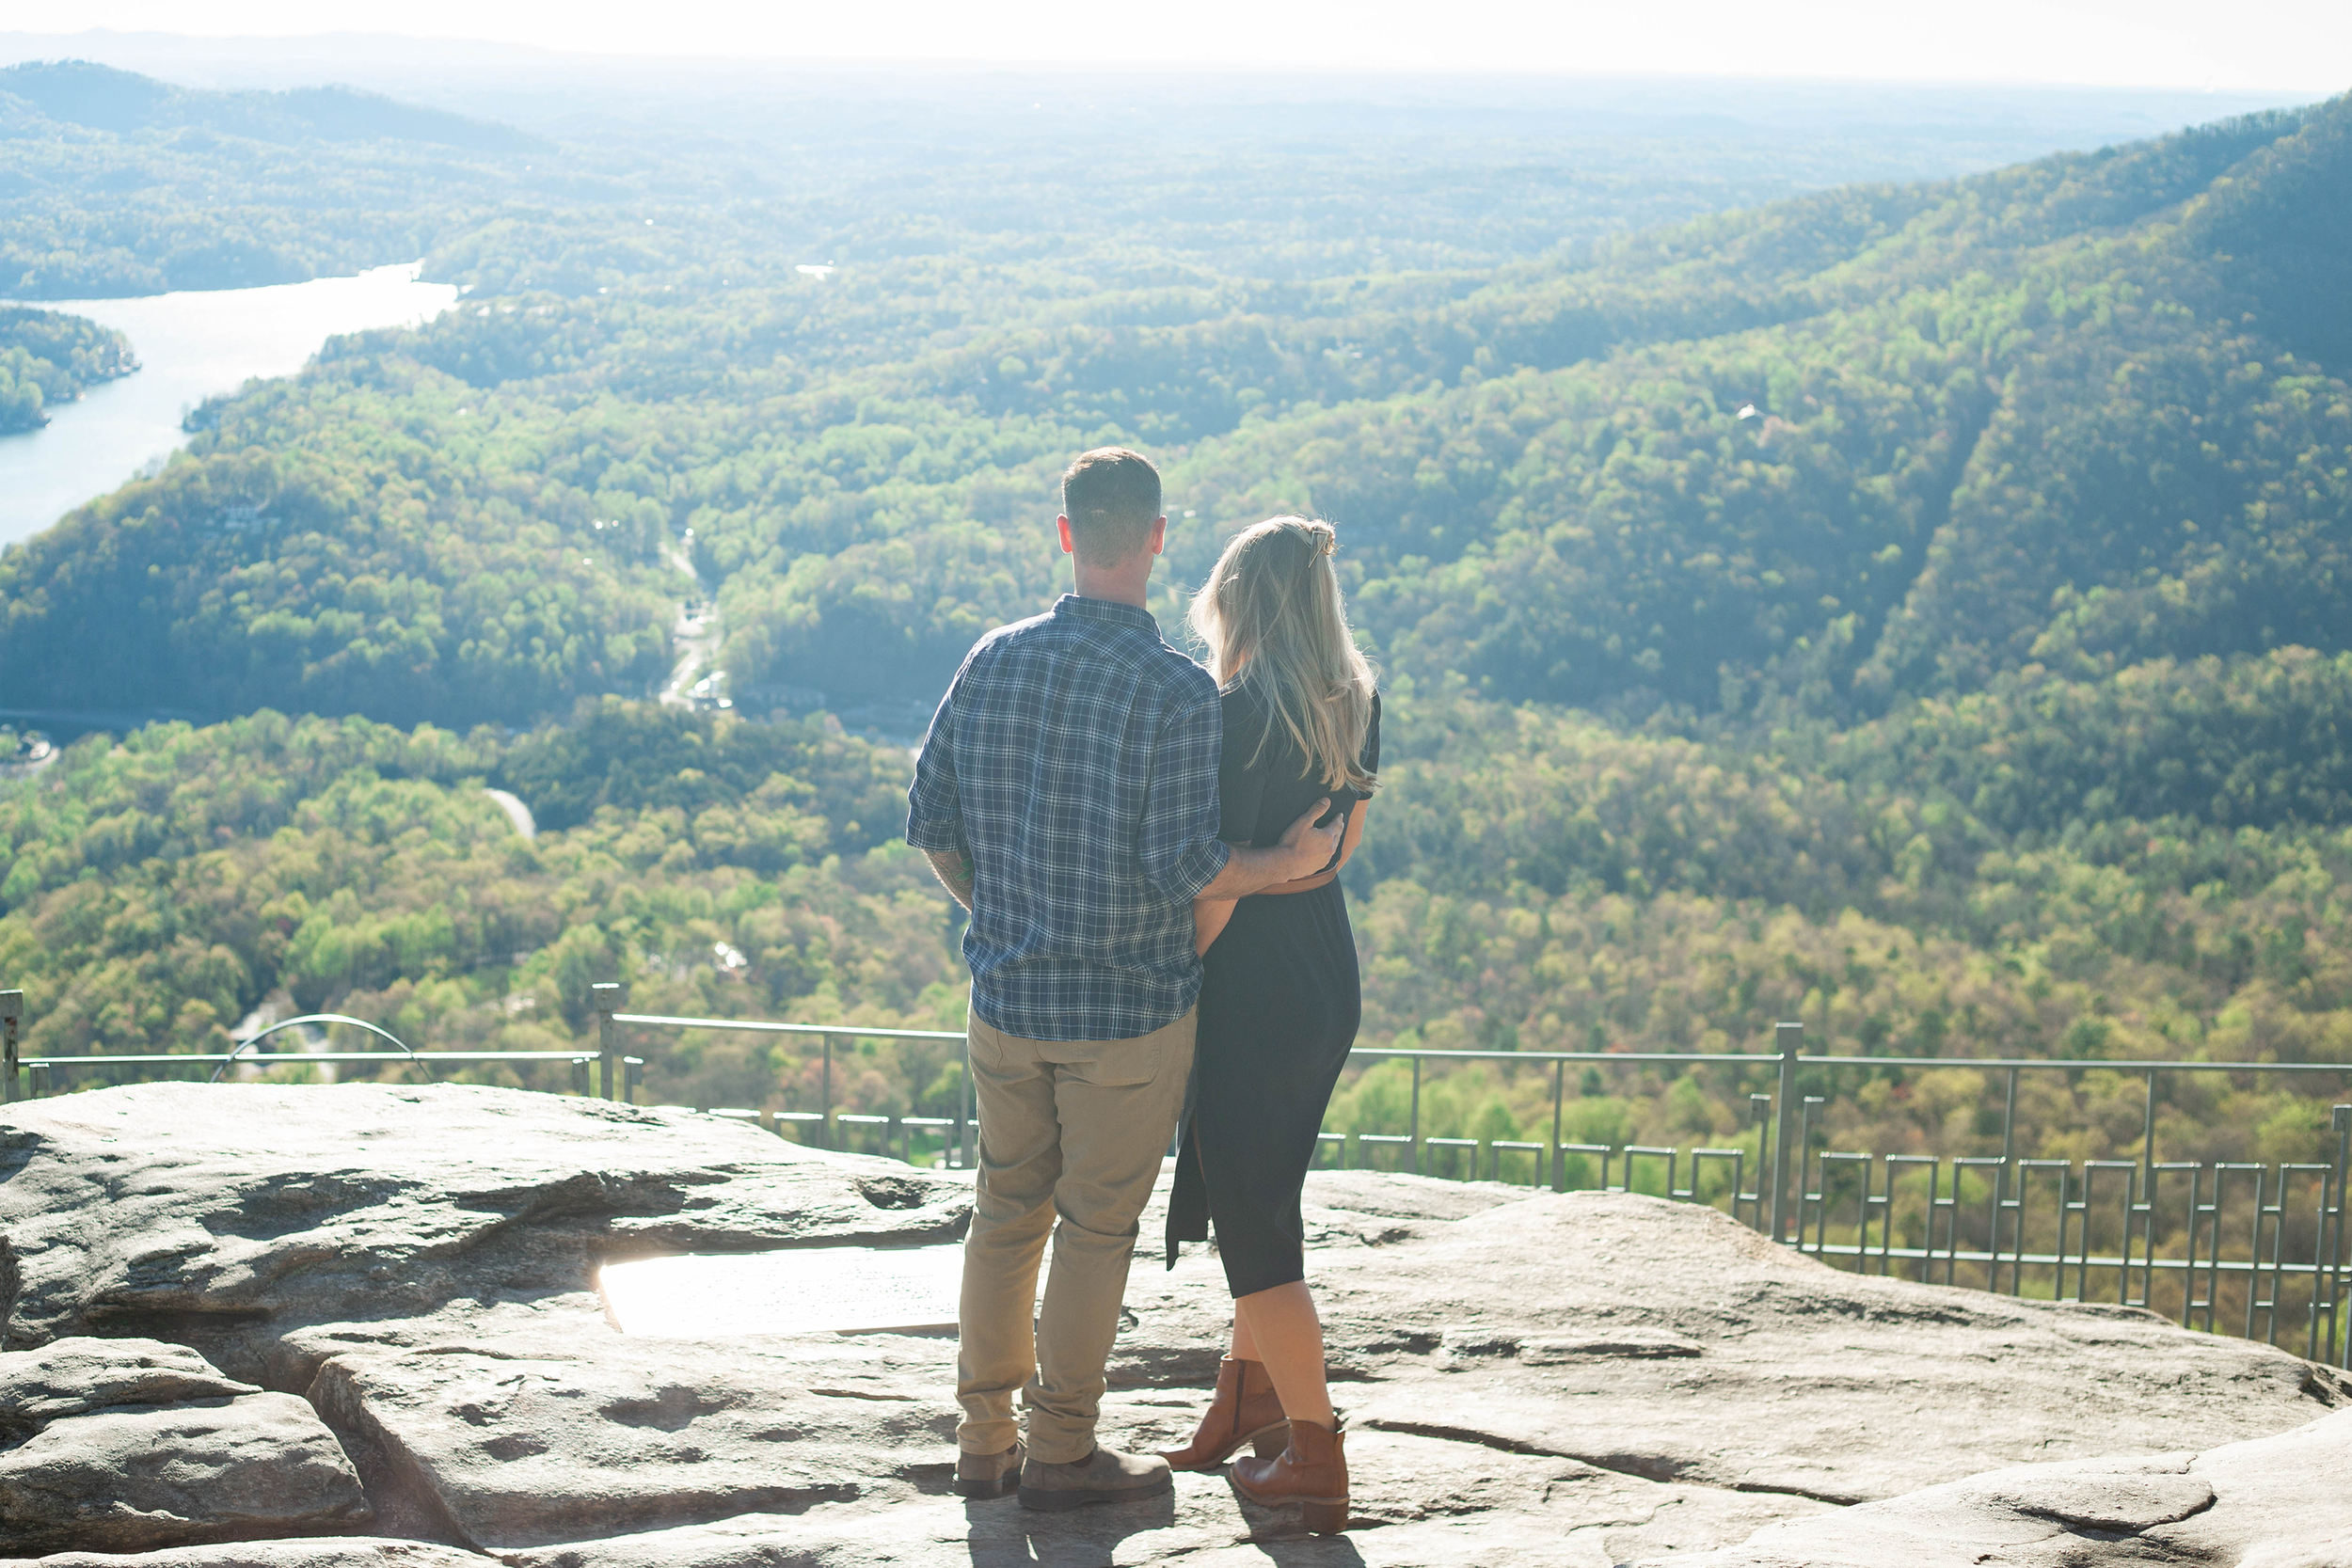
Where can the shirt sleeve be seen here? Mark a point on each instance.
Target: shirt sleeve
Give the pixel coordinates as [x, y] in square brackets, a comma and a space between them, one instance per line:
[1178, 849]
[935, 811]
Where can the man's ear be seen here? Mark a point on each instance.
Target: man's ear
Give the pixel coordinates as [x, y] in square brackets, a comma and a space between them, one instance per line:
[1159, 534]
[1069, 546]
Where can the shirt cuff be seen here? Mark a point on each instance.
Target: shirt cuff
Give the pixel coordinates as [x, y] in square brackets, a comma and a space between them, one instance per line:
[1195, 870]
[944, 834]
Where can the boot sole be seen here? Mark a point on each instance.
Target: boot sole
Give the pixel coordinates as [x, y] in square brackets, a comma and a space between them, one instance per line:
[988, 1488]
[1045, 1501]
[1321, 1515]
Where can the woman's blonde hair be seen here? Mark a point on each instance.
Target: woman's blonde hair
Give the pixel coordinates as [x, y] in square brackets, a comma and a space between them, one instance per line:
[1272, 616]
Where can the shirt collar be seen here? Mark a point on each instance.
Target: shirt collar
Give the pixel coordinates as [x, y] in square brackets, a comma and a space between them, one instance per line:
[1106, 609]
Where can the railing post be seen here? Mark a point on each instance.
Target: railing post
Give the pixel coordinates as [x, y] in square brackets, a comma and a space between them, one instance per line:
[2001, 1179]
[2338, 1330]
[1789, 1038]
[1558, 1092]
[825, 1101]
[12, 1022]
[604, 996]
[964, 1122]
[1414, 1127]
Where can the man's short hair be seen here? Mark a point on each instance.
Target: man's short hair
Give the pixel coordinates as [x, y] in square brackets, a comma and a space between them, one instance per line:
[1112, 498]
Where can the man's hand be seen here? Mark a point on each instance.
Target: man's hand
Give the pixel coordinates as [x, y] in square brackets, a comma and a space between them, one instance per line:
[1305, 849]
[1313, 845]
[954, 870]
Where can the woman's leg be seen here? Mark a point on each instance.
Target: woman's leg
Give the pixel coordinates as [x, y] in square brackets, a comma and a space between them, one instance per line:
[1245, 1348]
[1286, 1337]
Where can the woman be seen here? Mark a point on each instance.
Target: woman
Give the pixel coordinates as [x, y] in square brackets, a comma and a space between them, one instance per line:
[1279, 1003]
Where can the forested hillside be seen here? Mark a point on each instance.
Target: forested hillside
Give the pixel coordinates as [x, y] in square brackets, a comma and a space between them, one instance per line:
[1916, 609]
[48, 358]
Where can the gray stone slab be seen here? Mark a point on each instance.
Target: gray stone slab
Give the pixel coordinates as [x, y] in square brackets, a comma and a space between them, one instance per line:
[517, 1449]
[339, 1551]
[1568, 1324]
[133, 1479]
[1432, 1504]
[257, 1222]
[2272, 1502]
[73, 1377]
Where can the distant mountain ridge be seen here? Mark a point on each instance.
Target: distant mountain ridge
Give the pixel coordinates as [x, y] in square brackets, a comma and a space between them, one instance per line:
[1815, 459]
[100, 98]
[113, 184]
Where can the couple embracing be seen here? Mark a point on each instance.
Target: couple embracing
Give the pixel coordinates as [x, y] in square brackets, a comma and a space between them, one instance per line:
[1149, 852]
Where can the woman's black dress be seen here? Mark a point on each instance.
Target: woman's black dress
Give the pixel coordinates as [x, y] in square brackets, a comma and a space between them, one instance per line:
[1278, 1007]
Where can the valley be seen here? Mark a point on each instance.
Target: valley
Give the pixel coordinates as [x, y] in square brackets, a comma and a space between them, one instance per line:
[1913, 606]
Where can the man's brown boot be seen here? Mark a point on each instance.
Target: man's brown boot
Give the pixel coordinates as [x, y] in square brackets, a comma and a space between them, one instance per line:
[1311, 1472]
[990, 1475]
[1244, 1411]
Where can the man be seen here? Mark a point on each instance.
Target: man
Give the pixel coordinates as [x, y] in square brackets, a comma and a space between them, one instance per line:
[1067, 796]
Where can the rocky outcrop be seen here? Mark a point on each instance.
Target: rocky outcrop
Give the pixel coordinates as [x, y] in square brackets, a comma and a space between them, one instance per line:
[1667, 1341]
[1532, 1379]
[351, 1551]
[617, 1436]
[125, 1446]
[269, 1226]
[2273, 1502]
[1425, 1503]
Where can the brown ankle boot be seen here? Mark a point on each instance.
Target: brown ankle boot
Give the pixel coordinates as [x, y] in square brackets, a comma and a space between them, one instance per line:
[1312, 1472]
[1244, 1411]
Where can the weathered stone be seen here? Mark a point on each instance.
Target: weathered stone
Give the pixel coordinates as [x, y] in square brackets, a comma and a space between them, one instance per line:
[268, 1224]
[1580, 1379]
[1567, 1326]
[133, 1478]
[124, 1445]
[1479, 1508]
[329, 1551]
[72, 1377]
[2273, 1502]
[625, 1437]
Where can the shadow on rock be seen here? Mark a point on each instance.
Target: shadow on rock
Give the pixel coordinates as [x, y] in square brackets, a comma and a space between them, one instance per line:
[1001, 1533]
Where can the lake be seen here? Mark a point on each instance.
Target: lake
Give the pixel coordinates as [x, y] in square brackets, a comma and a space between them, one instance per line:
[190, 345]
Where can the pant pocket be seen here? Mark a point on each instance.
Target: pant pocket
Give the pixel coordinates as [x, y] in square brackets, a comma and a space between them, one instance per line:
[1126, 1064]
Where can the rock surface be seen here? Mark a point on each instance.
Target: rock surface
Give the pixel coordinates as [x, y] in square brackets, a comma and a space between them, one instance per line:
[250, 1220]
[353, 1551]
[1494, 1511]
[73, 1377]
[1586, 1379]
[619, 1436]
[128, 1445]
[1668, 1342]
[2273, 1502]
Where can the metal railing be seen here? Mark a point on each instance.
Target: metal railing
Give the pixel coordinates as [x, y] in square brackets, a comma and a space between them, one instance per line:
[2235, 1246]
[23, 1077]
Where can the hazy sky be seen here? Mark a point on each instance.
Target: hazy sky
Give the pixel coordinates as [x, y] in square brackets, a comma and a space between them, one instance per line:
[2301, 44]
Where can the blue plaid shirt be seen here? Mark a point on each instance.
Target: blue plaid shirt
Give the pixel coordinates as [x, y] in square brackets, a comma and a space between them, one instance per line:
[1075, 759]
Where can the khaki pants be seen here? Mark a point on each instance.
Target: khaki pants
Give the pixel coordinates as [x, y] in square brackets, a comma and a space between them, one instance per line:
[1074, 1129]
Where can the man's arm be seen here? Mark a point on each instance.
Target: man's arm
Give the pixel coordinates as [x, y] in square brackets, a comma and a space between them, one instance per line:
[1305, 849]
[935, 811]
[954, 869]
